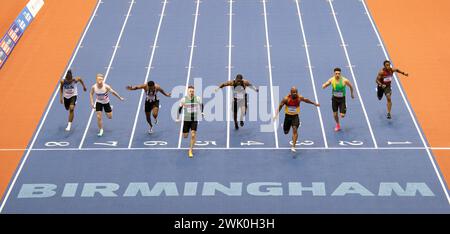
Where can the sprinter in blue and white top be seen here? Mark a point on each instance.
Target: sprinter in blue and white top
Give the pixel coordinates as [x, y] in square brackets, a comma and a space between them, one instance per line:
[102, 91]
[68, 93]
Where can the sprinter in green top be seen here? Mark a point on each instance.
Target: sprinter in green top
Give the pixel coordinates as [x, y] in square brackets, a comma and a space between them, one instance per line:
[338, 83]
[192, 105]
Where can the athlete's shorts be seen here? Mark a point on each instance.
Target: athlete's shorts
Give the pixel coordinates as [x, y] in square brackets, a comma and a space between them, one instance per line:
[290, 121]
[99, 107]
[237, 103]
[70, 101]
[150, 105]
[386, 91]
[189, 125]
[338, 103]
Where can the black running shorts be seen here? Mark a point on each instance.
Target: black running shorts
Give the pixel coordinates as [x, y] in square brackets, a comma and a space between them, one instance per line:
[150, 105]
[70, 101]
[338, 103]
[290, 121]
[189, 125]
[99, 107]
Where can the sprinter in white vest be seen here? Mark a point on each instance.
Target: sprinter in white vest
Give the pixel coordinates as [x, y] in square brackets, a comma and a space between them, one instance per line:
[240, 101]
[102, 102]
[68, 93]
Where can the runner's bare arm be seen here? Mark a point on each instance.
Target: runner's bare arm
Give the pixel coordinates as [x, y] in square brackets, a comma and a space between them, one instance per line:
[180, 108]
[110, 89]
[308, 101]
[248, 84]
[162, 91]
[61, 91]
[379, 78]
[398, 70]
[91, 97]
[326, 84]
[347, 82]
[78, 79]
[142, 86]
[282, 103]
[228, 83]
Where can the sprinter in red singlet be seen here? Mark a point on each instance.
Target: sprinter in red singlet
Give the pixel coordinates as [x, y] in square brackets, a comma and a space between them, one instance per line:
[292, 110]
[384, 79]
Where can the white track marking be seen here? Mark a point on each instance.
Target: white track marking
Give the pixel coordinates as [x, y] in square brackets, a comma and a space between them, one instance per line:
[194, 30]
[148, 73]
[230, 41]
[47, 111]
[353, 74]
[269, 62]
[109, 68]
[233, 148]
[310, 72]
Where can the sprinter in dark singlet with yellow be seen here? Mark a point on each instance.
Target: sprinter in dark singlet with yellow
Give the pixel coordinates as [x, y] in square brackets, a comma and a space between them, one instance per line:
[292, 111]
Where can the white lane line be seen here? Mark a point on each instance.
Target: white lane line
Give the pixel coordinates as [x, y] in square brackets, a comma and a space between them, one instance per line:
[148, 72]
[444, 188]
[351, 71]
[194, 30]
[108, 69]
[47, 111]
[230, 41]
[311, 73]
[269, 62]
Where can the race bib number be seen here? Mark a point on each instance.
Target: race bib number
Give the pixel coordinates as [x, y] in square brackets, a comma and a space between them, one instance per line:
[338, 94]
[102, 97]
[292, 109]
[387, 79]
[70, 91]
[191, 109]
[239, 95]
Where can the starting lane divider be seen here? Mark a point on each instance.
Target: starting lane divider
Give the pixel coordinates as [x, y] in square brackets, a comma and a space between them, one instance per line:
[17, 28]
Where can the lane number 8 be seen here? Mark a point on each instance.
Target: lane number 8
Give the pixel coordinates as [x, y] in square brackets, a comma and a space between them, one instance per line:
[57, 144]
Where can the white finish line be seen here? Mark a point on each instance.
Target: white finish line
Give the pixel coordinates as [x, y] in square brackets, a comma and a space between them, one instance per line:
[235, 148]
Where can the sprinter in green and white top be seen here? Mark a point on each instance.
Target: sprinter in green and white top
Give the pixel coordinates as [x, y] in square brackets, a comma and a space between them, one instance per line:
[192, 106]
[338, 83]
